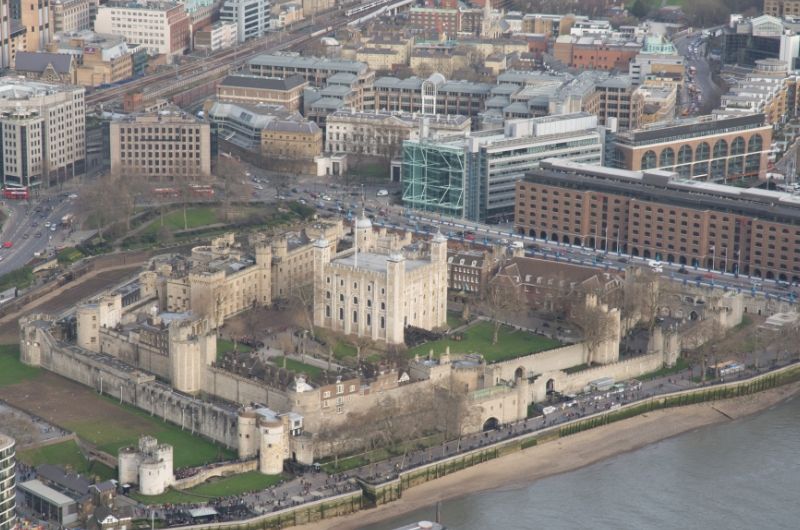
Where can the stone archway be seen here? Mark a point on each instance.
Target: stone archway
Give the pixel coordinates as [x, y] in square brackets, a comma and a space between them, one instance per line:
[491, 424]
[519, 373]
[551, 386]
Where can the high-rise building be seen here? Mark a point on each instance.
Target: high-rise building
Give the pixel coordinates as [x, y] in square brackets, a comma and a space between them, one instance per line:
[473, 177]
[42, 132]
[250, 16]
[35, 16]
[7, 483]
[163, 27]
[165, 145]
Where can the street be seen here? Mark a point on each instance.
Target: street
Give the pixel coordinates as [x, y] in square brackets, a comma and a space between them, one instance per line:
[28, 228]
[707, 97]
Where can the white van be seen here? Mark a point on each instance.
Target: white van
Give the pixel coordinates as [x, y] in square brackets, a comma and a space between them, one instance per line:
[382, 193]
[548, 410]
[517, 244]
[655, 265]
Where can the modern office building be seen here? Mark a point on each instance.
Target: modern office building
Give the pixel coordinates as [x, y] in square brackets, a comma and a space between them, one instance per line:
[164, 28]
[42, 128]
[715, 148]
[474, 177]
[70, 16]
[434, 95]
[747, 40]
[250, 16]
[657, 214]
[8, 462]
[658, 59]
[166, 145]
[35, 16]
[217, 36]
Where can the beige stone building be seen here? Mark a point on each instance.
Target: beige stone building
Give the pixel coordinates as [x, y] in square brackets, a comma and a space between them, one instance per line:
[291, 140]
[658, 99]
[221, 281]
[293, 256]
[374, 293]
[165, 145]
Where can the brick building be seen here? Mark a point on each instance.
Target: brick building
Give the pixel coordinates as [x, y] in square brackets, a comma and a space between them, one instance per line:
[704, 148]
[595, 54]
[656, 214]
[252, 90]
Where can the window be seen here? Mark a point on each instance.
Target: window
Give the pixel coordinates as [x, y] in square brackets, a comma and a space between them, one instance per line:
[340, 389]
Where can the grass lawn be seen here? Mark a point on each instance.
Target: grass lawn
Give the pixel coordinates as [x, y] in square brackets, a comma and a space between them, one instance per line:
[226, 346]
[66, 454]
[297, 366]
[195, 218]
[218, 487]
[11, 369]
[478, 339]
[189, 450]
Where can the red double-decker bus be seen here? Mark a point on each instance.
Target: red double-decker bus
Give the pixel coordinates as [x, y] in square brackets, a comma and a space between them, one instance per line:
[17, 194]
[200, 190]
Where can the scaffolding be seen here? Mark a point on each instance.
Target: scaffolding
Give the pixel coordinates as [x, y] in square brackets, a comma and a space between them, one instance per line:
[434, 178]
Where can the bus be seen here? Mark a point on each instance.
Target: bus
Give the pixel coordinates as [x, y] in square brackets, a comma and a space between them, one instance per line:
[166, 193]
[199, 190]
[17, 194]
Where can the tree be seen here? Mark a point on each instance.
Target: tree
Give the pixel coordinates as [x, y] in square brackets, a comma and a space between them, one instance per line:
[596, 325]
[503, 296]
[639, 9]
[640, 299]
[232, 173]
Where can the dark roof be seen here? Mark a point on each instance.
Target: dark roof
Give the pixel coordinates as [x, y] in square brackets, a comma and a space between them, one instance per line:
[269, 83]
[694, 127]
[39, 61]
[56, 477]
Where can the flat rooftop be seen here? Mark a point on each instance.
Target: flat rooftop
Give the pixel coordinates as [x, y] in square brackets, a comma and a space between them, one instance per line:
[375, 262]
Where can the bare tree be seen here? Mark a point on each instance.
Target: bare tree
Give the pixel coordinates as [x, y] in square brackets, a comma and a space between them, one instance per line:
[503, 296]
[640, 298]
[596, 325]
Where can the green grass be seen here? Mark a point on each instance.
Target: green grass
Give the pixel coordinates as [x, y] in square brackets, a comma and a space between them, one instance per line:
[578, 368]
[12, 370]
[218, 487]
[66, 454]
[680, 365]
[69, 256]
[195, 218]
[297, 366]
[478, 339]
[21, 278]
[189, 450]
[342, 350]
[226, 346]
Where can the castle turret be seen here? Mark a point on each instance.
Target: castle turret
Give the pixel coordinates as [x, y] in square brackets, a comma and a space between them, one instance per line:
[395, 296]
[274, 446]
[247, 430]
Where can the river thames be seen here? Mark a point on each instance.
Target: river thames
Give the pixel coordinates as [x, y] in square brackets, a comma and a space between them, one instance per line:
[743, 474]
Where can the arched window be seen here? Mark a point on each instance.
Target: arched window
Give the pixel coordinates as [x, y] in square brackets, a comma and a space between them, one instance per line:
[702, 151]
[752, 163]
[649, 160]
[737, 146]
[684, 155]
[718, 169]
[720, 149]
[667, 158]
[756, 143]
[736, 166]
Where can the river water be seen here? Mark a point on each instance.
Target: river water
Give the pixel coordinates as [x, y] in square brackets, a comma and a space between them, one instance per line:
[743, 474]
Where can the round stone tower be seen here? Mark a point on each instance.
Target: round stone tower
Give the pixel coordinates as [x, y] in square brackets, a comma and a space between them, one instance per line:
[247, 429]
[273, 447]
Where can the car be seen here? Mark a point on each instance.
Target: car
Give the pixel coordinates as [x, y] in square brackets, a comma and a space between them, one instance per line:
[683, 270]
[382, 193]
[622, 260]
[34, 224]
[302, 201]
[8, 244]
[281, 197]
[73, 196]
[259, 187]
[25, 236]
[37, 234]
[47, 224]
[53, 228]
[326, 198]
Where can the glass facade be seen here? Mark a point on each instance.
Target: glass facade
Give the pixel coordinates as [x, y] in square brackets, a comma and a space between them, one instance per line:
[434, 178]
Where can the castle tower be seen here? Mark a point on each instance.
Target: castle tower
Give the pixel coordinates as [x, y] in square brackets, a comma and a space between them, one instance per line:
[362, 232]
[273, 447]
[395, 293]
[247, 430]
[187, 357]
[322, 257]
[264, 262]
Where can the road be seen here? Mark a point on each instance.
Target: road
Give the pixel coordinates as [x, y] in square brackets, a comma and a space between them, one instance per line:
[693, 48]
[26, 228]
